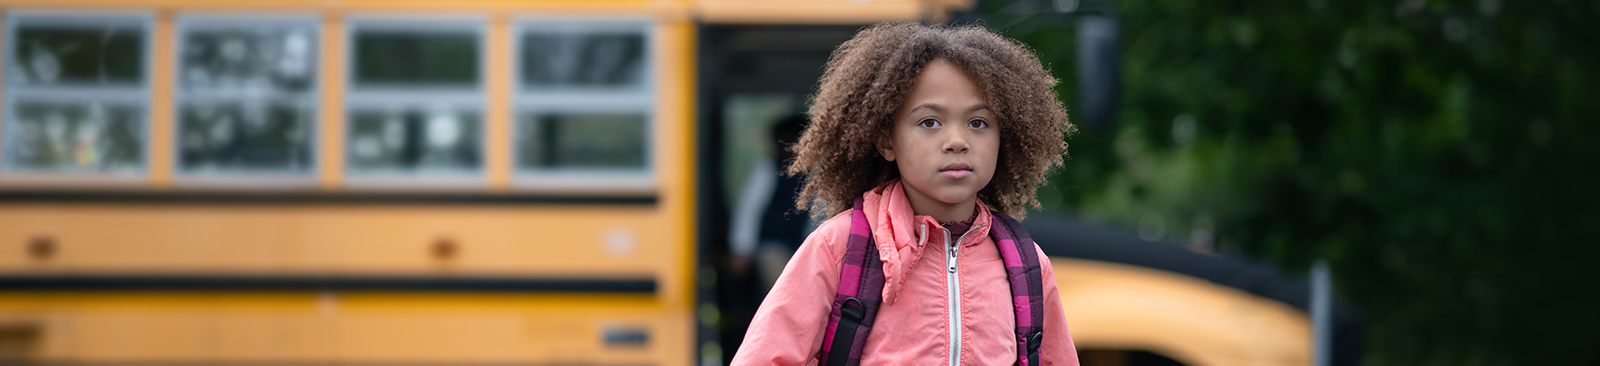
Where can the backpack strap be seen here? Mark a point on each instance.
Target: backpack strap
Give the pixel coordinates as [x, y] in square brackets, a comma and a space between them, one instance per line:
[860, 293]
[1027, 286]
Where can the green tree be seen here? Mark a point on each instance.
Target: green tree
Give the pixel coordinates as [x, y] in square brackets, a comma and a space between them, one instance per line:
[1434, 152]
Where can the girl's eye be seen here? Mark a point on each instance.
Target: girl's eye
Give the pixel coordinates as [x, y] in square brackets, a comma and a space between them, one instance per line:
[978, 123]
[929, 123]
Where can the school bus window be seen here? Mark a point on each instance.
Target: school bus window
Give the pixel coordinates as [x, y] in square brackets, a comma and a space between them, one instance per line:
[396, 57]
[408, 140]
[578, 60]
[583, 103]
[582, 140]
[76, 93]
[59, 51]
[415, 107]
[246, 99]
[75, 136]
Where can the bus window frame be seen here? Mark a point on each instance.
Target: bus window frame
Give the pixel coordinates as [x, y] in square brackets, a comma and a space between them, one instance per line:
[357, 98]
[139, 94]
[527, 100]
[312, 99]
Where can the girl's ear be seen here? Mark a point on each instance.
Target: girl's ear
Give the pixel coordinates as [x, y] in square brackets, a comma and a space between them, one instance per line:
[885, 147]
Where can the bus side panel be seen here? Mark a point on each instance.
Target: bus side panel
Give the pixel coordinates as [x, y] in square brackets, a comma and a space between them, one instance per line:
[348, 327]
[578, 240]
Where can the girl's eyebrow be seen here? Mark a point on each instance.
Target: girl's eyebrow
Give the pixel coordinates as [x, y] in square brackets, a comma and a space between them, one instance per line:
[941, 109]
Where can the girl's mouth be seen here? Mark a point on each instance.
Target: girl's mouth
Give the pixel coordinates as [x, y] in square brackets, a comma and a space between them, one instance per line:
[956, 171]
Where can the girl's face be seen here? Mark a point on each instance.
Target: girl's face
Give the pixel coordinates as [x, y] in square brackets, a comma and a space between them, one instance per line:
[945, 142]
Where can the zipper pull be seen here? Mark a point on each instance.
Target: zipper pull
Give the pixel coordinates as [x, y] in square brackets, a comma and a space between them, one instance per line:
[952, 260]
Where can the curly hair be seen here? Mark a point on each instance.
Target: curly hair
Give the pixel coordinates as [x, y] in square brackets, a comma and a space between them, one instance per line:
[868, 78]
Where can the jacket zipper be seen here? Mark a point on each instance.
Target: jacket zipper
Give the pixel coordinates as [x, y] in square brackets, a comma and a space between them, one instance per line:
[955, 294]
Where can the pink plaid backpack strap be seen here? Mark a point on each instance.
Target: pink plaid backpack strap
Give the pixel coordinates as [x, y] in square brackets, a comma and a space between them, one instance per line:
[1027, 286]
[856, 302]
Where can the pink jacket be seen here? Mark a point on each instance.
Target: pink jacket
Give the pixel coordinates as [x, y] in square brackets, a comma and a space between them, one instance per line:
[913, 326]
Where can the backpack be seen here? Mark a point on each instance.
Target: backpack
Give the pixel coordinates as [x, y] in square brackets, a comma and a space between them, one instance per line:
[860, 291]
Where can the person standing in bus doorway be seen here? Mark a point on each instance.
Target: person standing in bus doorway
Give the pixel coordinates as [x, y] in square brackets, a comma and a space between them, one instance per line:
[766, 229]
[922, 141]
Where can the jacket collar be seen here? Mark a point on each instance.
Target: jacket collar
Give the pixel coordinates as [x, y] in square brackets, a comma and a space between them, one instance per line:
[901, 234]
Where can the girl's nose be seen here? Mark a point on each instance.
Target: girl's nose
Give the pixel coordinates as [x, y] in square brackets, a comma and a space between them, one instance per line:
[956, 141]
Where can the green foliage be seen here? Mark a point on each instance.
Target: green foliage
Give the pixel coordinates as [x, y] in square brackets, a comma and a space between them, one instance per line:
[1435, 152]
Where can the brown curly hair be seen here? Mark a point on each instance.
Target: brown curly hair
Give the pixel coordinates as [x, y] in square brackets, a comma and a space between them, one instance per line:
[867, 80]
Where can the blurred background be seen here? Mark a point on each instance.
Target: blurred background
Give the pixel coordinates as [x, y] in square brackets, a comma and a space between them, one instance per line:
[1302, 182]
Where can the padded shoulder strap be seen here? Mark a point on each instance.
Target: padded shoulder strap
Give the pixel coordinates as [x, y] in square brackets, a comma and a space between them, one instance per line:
[1027, 286]
[859, 294]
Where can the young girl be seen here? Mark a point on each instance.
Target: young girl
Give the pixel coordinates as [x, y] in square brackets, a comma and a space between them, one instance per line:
[917, 134]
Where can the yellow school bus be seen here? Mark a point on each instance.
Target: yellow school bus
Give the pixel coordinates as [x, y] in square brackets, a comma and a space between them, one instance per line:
[348, 181]
[419, 182]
